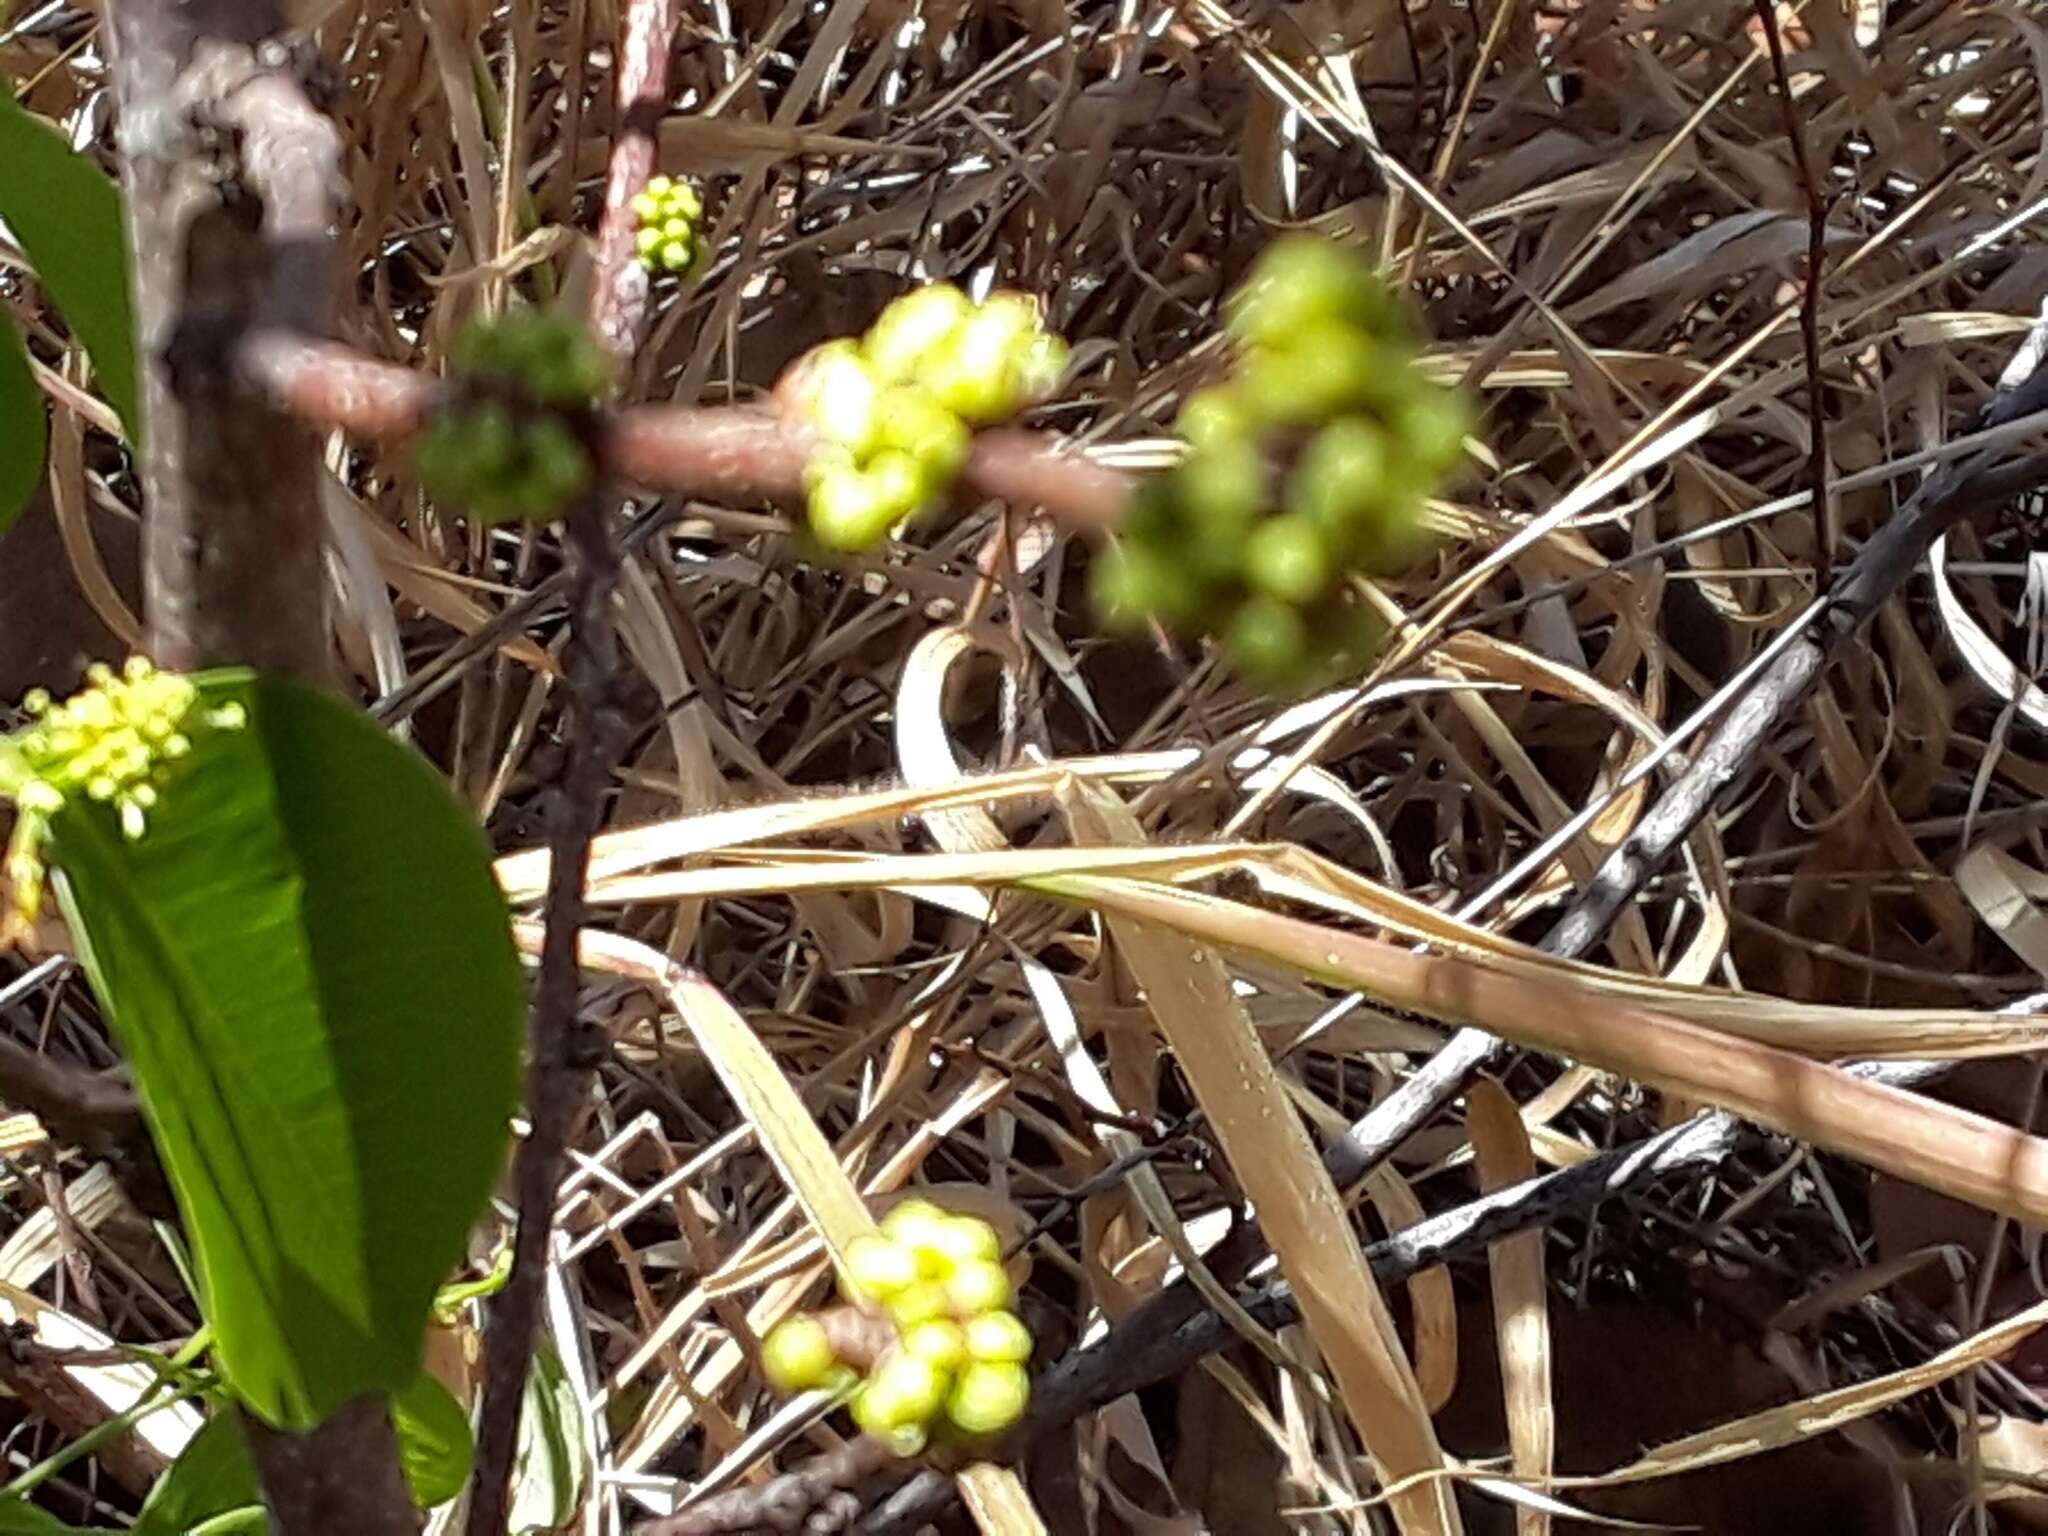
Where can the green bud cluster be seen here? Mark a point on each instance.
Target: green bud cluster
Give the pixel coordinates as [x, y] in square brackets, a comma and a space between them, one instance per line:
[1310, 462]
[957, 1366]
[668, 239]
[114, 743]
[508, 445]
[895, 410]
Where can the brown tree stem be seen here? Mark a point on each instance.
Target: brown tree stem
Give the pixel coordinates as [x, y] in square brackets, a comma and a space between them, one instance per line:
[234, 566]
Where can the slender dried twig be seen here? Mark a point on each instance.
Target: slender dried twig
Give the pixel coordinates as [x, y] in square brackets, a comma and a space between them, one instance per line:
[564, 1048]
[1809, 300]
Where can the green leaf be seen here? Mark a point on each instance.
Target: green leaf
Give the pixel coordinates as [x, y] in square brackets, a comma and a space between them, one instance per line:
[66, 214]
[547, 1475]
[212, 1477]
[23, 430]
[310, 969]
[434, 1441]
[215, 1481]
[18, 1517]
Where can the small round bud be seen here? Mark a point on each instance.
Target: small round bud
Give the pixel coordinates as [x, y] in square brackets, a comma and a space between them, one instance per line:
[1341, 477]
[837, 391]
[911, 421]
[1268, 639]
[877, 1267]
[1431, 424]
[980, 1285]
[1301, 280]
[911, 328]
[1134, 583]
[797, 1355]
[963, 1238]
[915, 1224]
[917, 1303]
[1286, 557]
[849, 509]
[998, 1336]
[941, 1342]
[1213, 417]
[905, 1389]
[1328, 370]
[989, 1396]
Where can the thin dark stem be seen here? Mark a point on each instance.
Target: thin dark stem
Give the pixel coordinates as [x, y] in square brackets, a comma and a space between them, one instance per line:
[1829, 540]
[561, 1044]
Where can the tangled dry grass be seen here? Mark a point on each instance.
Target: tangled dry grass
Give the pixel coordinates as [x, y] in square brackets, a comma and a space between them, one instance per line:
[1602, 223]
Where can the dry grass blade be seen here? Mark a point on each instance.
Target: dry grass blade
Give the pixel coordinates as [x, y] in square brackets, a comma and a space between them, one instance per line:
[1969, 1157]
[1819, 1414]
[1189, 996]
[1521, 1304]
[1288, 872]
[789, 1135]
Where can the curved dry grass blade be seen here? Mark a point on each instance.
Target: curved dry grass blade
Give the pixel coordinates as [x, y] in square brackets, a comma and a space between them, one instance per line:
[1966, 1156]
[789, 1135]
[1521, 1310]
[1303, 1216]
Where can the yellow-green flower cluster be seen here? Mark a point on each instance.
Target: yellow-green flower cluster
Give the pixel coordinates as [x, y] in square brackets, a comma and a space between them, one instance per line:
[895, 410]
[668, 240]
[957, 1365]
[1311, 461]
[505, 446]
[114, 743]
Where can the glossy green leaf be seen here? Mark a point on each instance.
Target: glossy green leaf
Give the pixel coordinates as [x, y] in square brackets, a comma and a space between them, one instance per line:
[310, 969]
[434, 1441]
[23, 431]
[18, 1517]
[213, 1477]
[66, 214]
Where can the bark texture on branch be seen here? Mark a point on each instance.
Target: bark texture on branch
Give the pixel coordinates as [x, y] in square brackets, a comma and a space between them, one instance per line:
[233, 181]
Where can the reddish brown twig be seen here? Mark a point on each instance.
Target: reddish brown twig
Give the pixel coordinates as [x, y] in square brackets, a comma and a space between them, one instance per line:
[564, 1045]
[618, 300]
[1027, 469]
[1809, 300]
[329, 384]
[735, 453]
